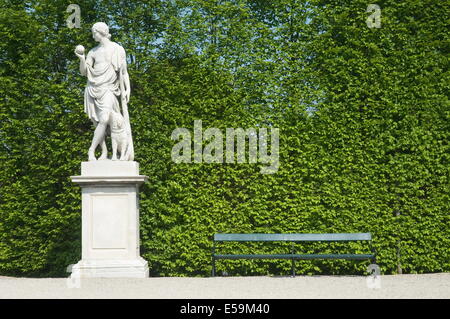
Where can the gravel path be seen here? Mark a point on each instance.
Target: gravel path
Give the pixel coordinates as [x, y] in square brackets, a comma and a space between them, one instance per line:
[392, 286]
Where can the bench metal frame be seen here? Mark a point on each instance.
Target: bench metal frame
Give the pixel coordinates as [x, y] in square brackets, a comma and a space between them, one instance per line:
[293, 238]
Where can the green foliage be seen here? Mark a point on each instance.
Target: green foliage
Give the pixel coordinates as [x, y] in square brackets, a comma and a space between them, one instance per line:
[363, 114]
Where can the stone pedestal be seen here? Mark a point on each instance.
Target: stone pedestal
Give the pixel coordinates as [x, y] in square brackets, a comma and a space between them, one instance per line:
[110, 220]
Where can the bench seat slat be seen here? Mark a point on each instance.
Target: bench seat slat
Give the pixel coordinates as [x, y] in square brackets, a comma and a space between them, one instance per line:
[293, 237]
[296, 256]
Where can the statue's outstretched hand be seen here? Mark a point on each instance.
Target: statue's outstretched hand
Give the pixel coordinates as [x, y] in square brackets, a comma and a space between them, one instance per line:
[79, 51]
[81, 56]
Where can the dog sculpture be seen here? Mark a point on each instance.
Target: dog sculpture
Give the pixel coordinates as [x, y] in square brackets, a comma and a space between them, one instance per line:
[119, 138]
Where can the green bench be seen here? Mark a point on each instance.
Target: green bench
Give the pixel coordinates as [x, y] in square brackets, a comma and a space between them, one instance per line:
[293, 238]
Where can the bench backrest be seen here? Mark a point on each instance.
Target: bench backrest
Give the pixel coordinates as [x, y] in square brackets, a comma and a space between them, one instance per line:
[293, 237]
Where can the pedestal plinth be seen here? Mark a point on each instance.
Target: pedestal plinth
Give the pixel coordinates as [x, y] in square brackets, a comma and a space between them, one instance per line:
[110, 220]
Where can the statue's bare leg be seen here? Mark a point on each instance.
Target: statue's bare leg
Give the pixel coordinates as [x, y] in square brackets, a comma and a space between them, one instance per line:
[99, 137]
[104, 150]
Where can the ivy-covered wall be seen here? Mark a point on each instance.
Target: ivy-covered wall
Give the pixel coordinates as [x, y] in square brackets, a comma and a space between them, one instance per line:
[363, 113]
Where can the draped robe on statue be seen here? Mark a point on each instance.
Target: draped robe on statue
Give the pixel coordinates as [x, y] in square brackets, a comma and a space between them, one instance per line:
[103, 87]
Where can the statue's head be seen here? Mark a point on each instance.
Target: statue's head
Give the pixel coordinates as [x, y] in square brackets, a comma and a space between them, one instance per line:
[100, 30]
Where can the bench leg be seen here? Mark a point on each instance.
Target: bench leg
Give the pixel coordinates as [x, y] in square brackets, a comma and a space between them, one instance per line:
[293, 261]
[293, 267]
[374, 252]
[213, 259]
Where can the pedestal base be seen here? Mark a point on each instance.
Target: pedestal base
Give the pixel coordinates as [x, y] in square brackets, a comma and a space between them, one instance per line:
[137, 268]
[110, 220]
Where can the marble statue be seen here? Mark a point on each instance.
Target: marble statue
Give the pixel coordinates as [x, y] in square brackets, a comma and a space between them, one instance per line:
[107, 94]
[110, 188]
